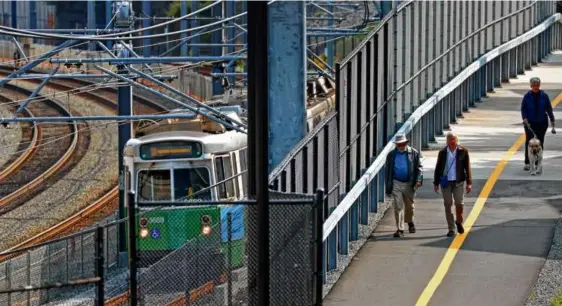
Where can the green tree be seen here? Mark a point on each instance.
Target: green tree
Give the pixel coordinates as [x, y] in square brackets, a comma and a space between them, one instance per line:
[174, 8]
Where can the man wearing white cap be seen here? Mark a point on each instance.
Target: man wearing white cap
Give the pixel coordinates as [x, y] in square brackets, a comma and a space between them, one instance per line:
[403, 175]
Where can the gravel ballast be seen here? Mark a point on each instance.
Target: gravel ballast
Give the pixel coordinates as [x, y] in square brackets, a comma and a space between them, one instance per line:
[365, 232]
[549, 283]
[9, 137]
[93, 176]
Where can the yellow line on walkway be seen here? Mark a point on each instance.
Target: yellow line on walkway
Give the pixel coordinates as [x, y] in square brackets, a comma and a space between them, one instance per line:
[469, 222]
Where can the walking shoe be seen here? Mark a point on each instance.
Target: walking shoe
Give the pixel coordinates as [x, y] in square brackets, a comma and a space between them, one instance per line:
[451, 234]
[527, 167]
[398, 234]
[412, 227]
[460, 228]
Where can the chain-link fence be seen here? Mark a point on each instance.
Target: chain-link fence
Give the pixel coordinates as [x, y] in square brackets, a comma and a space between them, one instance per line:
[198, 253]
[187, 253]
[295, 244]
[53, 273]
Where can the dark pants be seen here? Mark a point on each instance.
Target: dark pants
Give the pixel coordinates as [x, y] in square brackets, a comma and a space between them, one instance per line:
[540, 131]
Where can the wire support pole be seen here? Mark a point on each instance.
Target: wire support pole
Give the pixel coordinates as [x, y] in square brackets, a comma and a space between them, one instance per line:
[122, 11]
[189, 107]
[146, 60]
[35, 91]
[98, 118]
[177, 92]
[258, 153]
[32, 76]
[37, 61]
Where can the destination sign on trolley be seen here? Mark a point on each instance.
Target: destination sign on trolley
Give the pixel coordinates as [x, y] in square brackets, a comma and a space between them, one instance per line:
[171, 150]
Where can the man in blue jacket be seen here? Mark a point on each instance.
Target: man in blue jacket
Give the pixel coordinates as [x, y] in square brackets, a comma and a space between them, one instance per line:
[403, 175]
[536, 109]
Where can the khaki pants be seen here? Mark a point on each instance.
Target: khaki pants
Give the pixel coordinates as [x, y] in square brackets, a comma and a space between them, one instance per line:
[403, 195]
[455, 191]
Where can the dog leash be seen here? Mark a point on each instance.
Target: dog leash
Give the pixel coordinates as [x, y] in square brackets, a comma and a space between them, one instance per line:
[530, 129]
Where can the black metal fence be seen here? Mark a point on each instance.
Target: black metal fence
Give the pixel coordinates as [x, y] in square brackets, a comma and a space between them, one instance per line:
[415, 50]
[55, 272]
[391, 73]
[199, 254]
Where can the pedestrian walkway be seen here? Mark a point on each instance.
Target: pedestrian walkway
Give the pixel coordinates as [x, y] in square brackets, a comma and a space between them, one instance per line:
[498, 259]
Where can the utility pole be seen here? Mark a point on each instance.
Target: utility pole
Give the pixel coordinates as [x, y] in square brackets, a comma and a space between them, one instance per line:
[123, 20]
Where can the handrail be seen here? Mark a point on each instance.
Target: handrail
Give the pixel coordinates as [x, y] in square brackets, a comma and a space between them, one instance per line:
[300, 145]
[379, 27]
[355, 192]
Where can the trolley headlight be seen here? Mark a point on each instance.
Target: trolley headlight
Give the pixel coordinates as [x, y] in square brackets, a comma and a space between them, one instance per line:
[143, 232]
[206, 228]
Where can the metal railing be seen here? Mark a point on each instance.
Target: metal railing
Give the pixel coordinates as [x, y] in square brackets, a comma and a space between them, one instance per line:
[424, 65]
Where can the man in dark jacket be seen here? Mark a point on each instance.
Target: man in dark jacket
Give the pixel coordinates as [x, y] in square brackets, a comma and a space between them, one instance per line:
[536, 109]
[403, 175]
[451, 173]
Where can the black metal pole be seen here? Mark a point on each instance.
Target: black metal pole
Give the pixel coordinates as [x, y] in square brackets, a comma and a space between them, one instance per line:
[229, 258]
[258, 216]
[100, 298]
[319, 226]
[124, 96]
[133, 258]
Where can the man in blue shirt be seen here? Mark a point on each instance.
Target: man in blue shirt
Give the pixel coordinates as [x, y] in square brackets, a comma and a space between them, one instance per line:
[536, 109]
[403, 175]
[452, 172]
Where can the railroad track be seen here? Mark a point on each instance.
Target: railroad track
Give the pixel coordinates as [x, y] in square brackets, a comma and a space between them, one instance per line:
[55, 148]
[27, 145]
[106, 96]
[107, 204]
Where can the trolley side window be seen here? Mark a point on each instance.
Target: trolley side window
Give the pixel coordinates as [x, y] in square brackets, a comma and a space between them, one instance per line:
[244, 167]
[235, 171]
[192, 181]
[155, 185]
[223, 168]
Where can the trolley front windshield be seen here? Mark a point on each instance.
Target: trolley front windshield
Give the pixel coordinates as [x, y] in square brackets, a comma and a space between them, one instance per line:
[174, 184]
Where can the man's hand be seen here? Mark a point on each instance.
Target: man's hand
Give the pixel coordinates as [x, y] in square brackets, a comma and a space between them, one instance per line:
[525, 121]
[418, 184]
[436, 188]
[553, 130]
[468, 188]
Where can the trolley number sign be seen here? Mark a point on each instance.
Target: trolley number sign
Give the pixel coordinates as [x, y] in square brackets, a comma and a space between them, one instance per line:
[171, 150]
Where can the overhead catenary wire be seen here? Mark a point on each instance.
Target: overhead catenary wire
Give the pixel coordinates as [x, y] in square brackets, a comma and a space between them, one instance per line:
[178, 68]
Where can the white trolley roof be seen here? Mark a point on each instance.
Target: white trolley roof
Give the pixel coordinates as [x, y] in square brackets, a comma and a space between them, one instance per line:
[212, 143]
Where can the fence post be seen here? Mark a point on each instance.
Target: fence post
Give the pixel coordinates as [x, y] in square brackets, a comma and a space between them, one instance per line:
[132, 250]
[100, 299]
[28, 276]
[318, 212]
[9, 280]
[229, 257]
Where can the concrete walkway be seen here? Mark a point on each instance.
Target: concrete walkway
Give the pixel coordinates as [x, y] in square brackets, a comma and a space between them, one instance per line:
[501, 256]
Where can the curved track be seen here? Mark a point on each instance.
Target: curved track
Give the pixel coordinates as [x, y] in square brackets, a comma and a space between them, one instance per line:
[56, 149]
[107, 204]
[27, 146]
[106, 96]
